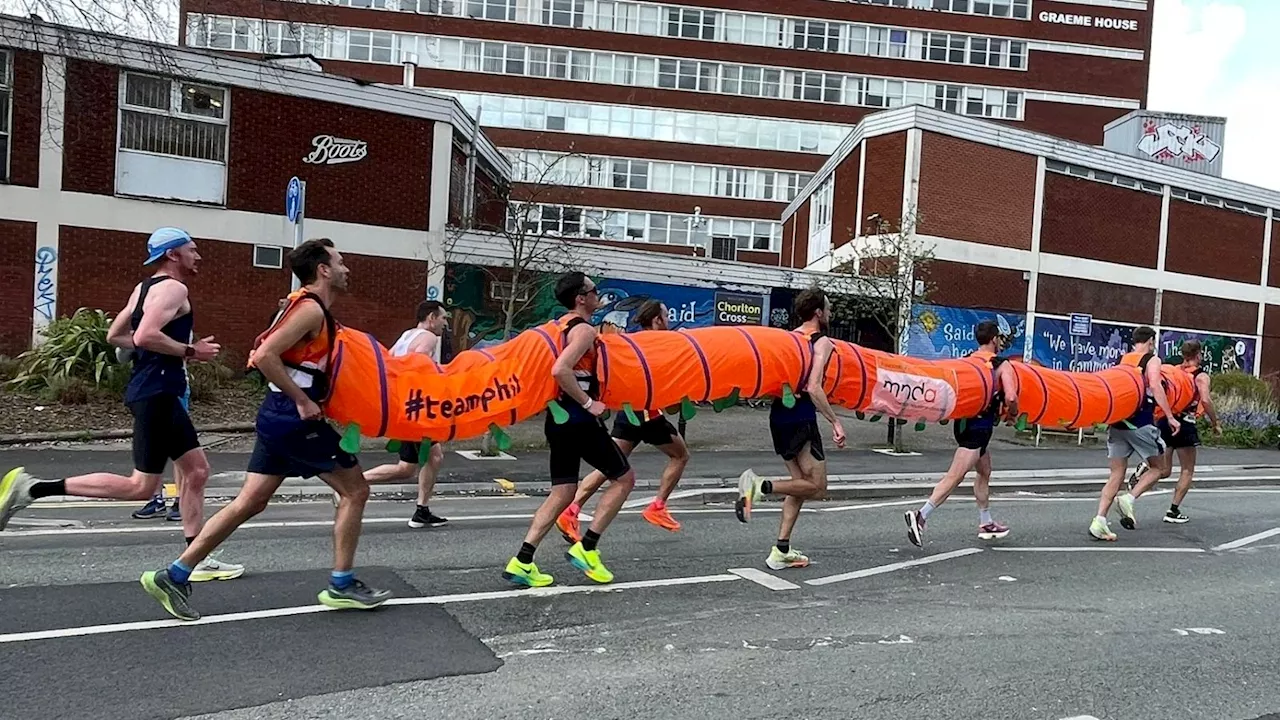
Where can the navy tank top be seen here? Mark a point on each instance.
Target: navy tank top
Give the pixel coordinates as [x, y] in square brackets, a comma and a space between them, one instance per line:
[804, 411]
[156, 373]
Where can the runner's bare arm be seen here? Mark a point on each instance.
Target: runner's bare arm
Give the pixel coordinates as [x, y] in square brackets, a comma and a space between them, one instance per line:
[813, 386]
[1156, 382]
[581, 338]
[303, 322]
[1009, 386]
[163, 303]
[1202, 384]
[119, 334]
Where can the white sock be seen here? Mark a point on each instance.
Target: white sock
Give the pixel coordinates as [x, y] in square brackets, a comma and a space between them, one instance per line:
[928, 508]
[984, 516]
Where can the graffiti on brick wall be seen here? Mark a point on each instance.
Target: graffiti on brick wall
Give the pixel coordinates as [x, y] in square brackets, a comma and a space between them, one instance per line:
[46, 292]
[1167, 141]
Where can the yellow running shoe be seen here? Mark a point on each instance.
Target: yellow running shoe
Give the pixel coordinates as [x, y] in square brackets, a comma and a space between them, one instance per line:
[779, 560]
[527, 575]
[588, 561]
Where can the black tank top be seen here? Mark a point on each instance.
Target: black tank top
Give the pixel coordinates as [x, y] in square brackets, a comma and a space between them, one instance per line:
[156, 373]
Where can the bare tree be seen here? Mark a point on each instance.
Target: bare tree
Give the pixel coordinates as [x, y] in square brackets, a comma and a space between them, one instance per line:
[887, 276]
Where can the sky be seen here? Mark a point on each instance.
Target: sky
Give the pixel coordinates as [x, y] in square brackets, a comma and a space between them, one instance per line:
[1221, 57]
[1208, 57]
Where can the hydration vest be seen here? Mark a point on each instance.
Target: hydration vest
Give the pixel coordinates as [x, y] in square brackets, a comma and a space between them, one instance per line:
[995, 402]
[308, 361]
[584, 371]
[1146, 412]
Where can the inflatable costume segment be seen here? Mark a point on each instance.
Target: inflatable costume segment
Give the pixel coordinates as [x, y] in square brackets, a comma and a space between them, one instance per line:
[413, 398]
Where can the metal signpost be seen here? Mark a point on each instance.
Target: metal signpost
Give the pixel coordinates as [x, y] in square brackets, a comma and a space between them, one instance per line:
[295, 208]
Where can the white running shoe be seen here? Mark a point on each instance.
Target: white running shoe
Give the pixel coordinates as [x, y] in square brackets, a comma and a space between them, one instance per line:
[748, 494]
[779, 560]
[213, 569]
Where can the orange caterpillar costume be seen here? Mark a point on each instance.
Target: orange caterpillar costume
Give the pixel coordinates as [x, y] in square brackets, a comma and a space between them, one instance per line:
[412, 398]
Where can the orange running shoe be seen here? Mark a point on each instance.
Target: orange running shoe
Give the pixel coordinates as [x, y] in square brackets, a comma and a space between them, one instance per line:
[567, 524]
[660, 516]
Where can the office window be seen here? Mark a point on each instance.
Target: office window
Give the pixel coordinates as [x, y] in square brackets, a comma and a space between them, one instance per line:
[282, 39]
[691, 23]
[563, 13]
[816, 35]
[492, 9]
[172, 117]
[630, 175]
[6, 111]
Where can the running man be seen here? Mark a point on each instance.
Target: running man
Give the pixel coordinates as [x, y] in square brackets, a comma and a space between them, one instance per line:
[155, 507]
[973, 435]
[653, 429]
[1185, 442]
[1137, 434]
[583, 436]
[422, 338]
[156, 326]
[293, 439]
[796, 437]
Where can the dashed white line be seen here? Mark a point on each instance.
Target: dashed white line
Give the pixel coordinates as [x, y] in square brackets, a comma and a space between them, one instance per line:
[1248, 540]
[892, 567]
[1100, 548]
[763, 578]
[310, 609]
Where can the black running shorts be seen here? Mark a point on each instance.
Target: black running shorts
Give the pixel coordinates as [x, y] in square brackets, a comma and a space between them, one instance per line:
[789, 439]
[574, 442]
[1188, 434]
[162, 431]
[658, 431]
[973, 436]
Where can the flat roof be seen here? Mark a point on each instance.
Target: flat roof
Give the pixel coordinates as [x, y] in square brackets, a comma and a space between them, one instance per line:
[261, 75]
[986, 132]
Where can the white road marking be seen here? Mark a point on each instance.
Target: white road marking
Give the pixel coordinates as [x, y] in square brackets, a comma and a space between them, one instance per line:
[1199, 631]
[869, 506]
[763, 578]
[310, 609]
[1081, 717]
[868, 572]
[1101, 548]
[1248, 540]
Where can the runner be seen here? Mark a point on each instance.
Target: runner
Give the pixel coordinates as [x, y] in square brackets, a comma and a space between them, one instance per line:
[422, 338]
[156, 325]
[582, 436]
[653, 429]
[293, 439]
[1188, 440]
[973, 436]
[1136, 434]
[796, 437]
[156, 507]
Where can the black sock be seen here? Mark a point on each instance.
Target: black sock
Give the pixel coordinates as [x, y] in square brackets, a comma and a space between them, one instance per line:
[424, 509]
[766, 487]
[590, 539]
[190, 540]
[784, 546]
[1173, 509]
[526, 553]
[48, 488]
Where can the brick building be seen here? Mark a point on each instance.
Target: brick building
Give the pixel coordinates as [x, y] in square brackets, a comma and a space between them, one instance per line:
[1040, 228]
[687, 127]
[111, 138]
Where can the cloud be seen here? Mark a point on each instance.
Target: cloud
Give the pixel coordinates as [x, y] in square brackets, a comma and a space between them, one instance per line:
[1203, 62]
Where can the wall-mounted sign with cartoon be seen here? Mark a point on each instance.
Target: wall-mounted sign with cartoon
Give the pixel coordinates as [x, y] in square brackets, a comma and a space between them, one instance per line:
[620, 299]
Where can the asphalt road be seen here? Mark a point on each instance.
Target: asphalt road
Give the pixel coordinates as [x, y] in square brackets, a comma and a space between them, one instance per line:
[1170, 622]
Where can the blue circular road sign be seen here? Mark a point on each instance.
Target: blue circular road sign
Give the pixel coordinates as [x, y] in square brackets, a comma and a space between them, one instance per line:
[293, 199]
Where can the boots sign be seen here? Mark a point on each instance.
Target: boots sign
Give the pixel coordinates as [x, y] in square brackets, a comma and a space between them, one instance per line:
[330, 150]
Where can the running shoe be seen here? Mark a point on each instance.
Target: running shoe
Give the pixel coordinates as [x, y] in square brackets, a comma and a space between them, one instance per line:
[173, 596]
[588, 561]
[175, 514]
[779, 560]
[993, 531]
[1137, 474]
[1176, 517]
[422, 517]
[661, 517]
[213, 569]
[1124, 504]
[748, 494]
[154, 508]
[526, 574]
[1100, 530]
[356, 596]
[915, 527]
[567, 524]
[15, 494]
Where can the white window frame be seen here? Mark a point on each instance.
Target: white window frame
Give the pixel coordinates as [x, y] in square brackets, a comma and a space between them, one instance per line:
[278, 264]
[174, 111]
[636, 226]
[6, 114]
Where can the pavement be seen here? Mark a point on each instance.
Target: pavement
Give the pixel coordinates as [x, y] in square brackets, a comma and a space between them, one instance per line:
[1170, 622]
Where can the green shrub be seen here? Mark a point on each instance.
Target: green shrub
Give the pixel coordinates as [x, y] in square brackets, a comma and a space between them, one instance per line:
[67, 391]
[208, 379]
[1248, 412]
[72, 347]
[9, 368]
[1243, 386]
